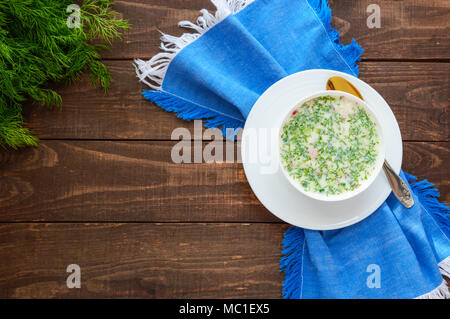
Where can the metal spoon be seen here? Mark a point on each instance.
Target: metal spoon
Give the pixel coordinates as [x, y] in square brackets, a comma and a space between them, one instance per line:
[399, 187]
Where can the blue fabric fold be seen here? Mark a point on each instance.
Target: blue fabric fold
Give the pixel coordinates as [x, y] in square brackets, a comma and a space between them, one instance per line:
[404, 245]
[394, 253]
[223, 73]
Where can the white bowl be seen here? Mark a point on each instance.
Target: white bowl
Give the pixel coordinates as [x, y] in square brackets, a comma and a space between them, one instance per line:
[378, 164]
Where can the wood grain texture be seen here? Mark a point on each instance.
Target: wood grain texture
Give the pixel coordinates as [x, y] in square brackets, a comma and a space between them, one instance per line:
[141, 260]
[415, 29]
[429, 161]
[417, 93]
[101, 190]
[137, 181]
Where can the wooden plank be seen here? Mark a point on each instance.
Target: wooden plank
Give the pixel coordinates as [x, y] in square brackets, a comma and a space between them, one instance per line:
[414, 29]
[417, 93]
[127, 181]
[429, 161]
[411, 29]
[137, 181]
[141, 260]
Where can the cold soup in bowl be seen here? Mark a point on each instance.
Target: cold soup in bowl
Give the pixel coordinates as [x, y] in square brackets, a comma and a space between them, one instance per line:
[331, 146]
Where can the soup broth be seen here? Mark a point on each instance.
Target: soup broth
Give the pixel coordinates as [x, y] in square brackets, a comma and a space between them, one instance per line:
[329, 145]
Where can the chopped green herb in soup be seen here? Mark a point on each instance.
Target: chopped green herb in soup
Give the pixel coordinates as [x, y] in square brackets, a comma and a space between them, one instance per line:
[329, 145]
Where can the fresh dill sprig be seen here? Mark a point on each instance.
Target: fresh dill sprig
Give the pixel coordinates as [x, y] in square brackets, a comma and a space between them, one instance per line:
[37, 48]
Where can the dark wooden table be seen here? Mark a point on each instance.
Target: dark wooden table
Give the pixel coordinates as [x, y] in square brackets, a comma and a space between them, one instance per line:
[102, 192]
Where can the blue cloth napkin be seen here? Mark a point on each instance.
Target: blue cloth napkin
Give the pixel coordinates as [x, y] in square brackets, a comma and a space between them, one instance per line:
[217, 73]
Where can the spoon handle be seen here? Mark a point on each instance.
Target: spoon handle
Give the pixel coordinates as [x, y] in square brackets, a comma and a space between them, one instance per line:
[399, 187]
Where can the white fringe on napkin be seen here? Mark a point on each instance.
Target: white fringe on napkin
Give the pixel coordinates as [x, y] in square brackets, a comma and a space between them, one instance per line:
[443, 290]
[153, 71]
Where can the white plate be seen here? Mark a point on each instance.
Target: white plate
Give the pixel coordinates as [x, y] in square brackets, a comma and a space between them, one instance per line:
[276, 193]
